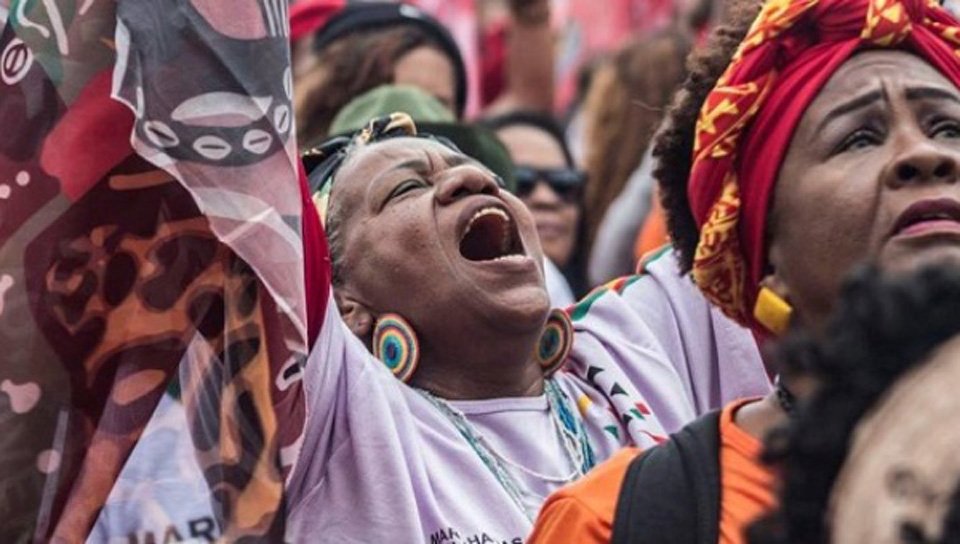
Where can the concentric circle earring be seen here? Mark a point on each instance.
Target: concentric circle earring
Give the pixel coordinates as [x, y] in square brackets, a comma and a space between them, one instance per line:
[395, 343]
[555, 342]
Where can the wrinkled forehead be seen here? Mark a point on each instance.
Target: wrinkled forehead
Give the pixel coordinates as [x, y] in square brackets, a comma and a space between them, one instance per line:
[867, 77]
[871, 70]
[370, 161]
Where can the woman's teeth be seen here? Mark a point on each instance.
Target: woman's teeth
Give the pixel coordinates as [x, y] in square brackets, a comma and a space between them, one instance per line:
[489, 236]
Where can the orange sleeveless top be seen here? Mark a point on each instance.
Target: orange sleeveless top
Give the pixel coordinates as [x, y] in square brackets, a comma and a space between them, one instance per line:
[583, 512]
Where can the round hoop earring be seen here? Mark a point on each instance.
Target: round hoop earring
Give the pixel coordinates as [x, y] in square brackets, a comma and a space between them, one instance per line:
[555, 342]
[395, 343]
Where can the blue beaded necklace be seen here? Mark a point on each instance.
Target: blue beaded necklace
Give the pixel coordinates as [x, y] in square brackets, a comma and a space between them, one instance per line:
[570, 429]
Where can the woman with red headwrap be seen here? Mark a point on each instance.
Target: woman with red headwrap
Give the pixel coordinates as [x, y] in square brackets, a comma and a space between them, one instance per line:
[821, 134]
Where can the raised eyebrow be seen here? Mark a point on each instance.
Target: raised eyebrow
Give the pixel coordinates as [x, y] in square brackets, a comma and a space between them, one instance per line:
[424, 166]
[458, 160]
[921, 93]
[852, 105]
[418, 165]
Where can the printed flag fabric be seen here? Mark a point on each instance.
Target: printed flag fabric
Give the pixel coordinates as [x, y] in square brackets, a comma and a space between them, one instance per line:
[150, 237]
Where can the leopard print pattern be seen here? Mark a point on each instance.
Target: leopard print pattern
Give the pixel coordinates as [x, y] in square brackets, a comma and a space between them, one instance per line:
[111, 278]
[107, 264]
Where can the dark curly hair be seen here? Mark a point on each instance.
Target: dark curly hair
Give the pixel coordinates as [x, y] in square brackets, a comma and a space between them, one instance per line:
[883, 328]
[673, 146]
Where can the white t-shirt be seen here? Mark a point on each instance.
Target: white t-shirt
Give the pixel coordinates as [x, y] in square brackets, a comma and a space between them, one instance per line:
[161, 495]
[380, 463]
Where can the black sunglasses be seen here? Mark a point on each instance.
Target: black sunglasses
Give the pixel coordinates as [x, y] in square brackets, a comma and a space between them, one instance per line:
[566, 182]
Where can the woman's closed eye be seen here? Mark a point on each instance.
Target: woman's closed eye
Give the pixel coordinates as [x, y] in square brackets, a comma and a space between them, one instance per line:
[404, 188]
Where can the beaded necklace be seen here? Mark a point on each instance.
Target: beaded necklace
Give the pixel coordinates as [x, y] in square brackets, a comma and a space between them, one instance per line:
[569, 429]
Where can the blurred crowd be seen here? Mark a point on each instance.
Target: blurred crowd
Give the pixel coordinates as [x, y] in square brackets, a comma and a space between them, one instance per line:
[568, 155]
[480, 271]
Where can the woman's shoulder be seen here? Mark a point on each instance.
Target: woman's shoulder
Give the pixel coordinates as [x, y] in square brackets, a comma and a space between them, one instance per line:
[583, 511]
[658, 291]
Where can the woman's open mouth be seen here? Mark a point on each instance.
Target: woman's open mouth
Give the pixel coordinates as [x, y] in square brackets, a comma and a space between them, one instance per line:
[491, 235]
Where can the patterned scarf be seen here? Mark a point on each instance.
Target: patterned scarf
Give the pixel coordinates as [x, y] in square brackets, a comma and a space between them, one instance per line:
[748, 119]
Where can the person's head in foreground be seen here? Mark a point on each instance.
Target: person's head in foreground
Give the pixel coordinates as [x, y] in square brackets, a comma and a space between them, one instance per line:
[833, 137]
[811, 137]
[367, 45]
[547, 179]
[872, 458]
[420, 230]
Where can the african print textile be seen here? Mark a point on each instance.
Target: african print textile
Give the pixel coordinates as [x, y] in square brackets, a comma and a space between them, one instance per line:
[747, 120]
[150, 232]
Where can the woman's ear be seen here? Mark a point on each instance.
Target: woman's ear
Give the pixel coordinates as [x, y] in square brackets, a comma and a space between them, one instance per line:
[356, 315]
[772, 307]
[771, 279]
[774, 283]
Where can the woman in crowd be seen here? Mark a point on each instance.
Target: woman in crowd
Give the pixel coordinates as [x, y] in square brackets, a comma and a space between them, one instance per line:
[626, 102]
[437, 272]
[858, 465]
[549, 183]
[368, 44]
[442, 265]
[808, 138]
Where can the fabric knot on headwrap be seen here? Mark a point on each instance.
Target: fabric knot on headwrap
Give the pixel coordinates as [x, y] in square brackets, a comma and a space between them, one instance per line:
[748, 119]
[323, 161]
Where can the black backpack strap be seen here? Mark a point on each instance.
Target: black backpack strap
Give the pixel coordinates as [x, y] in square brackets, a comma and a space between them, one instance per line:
[671, 492]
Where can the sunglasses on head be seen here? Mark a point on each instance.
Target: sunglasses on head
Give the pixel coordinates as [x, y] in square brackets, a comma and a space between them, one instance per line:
[566, 182]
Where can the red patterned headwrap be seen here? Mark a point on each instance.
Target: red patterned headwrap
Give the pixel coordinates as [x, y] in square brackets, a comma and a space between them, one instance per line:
[748, 119]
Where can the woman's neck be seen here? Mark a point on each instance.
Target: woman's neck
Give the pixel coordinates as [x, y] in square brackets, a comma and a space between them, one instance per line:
[759, 418]
[501, 367]
[461, 387]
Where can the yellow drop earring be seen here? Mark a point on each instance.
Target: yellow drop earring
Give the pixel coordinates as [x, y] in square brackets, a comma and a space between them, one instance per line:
[772, 311]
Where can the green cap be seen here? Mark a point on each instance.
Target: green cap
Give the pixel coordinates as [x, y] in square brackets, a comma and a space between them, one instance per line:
[385, 99]
[431, 117]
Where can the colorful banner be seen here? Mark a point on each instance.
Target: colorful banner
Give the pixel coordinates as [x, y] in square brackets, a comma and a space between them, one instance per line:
[149, 234]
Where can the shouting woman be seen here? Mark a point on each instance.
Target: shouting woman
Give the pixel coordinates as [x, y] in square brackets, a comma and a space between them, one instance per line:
[482, 401]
